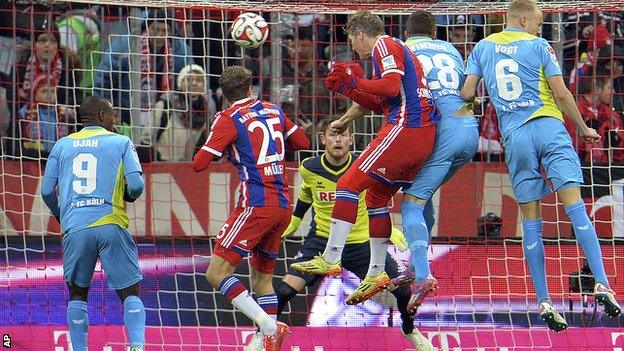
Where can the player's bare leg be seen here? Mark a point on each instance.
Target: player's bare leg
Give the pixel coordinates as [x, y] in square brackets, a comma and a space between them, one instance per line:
[585, 234]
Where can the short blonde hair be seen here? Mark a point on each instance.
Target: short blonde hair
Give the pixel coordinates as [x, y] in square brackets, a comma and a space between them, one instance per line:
[518, 7]
[366, 22]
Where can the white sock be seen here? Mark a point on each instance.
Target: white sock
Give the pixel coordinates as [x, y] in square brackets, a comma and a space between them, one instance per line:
[251, 309]
[379, 250]
[338, 232]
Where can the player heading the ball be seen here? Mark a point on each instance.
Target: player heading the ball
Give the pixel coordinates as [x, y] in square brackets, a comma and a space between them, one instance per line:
[524, 79]
[457, 139]
[402, 145]
[93, 172]
[255, 135]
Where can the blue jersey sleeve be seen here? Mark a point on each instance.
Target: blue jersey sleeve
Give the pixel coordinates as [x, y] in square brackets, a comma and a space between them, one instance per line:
[473, 66]
[50, 180]
[548, 59]
[131, 159]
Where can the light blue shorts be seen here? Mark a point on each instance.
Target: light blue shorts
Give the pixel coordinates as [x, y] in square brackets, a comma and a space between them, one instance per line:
[542, 142]
[115, 248]
[457, 140]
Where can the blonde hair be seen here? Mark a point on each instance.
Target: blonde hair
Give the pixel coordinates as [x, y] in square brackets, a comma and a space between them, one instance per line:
[519, 7]
[366, 22]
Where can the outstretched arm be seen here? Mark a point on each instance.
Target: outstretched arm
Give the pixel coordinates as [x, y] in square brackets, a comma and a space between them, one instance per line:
[222, 134]
[296, 139]
[354, 112]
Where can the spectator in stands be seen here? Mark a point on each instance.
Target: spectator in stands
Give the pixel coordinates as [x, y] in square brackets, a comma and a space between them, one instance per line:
[179, 119]
[462, 36]
[45, 58]
[607, 58]
[594, 104]
[42, 120]
[79, 33]
[303, 95]
[160, 54]
[612, 61]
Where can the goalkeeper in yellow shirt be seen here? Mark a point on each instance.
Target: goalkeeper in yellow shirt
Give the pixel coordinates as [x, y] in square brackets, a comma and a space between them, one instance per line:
[318, 190]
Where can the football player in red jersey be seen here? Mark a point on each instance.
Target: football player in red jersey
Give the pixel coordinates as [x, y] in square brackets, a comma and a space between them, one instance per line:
[402, 145]
[255, 135]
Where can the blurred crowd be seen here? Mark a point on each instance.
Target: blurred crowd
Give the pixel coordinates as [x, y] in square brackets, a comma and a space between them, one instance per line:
[160, 69]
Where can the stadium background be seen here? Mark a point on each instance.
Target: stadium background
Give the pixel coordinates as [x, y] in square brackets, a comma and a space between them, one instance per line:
[485, 287]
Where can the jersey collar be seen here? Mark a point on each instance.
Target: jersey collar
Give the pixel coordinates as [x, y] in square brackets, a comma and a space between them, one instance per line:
[341, 170]
[93, 127]
[242, 101]
[512, 29]
[376, 42]
[418, 38]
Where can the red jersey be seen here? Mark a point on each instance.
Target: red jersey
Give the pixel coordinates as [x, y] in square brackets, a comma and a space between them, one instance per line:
[414, 106]
[254, 134]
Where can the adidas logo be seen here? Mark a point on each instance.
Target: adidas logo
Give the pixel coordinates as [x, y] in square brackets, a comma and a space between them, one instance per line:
[382, 170]
[585, 227]
[243, 242]
[531, 246]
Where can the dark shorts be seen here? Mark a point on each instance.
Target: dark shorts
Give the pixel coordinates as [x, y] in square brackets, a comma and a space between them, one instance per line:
[355, 258]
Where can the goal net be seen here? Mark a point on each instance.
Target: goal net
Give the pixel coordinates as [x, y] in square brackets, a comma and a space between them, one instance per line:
[54, 54]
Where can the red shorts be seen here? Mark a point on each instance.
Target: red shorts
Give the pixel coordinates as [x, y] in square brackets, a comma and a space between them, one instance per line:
[397, 153]
[390, 161]
[253, 229]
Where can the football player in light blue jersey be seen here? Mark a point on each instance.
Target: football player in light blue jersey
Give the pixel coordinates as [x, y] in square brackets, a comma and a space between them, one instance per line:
[457, 140]
[524, 80]
[88, 176]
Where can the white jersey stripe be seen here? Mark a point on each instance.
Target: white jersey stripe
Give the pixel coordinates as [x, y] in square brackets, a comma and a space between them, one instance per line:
[236, 226]
[370, 160]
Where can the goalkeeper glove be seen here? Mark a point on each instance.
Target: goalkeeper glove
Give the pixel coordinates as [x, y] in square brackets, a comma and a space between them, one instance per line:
[127, 197]
[295, 222]
[397, 237]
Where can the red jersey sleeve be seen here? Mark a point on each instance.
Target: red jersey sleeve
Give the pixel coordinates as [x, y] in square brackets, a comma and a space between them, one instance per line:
[222, 134]
[389, 66]
[295, 137]
[389, 57]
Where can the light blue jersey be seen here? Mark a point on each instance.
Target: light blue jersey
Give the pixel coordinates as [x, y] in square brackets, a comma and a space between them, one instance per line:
[457, 137]
[444, 68]
[91, 167]
[515, 67]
